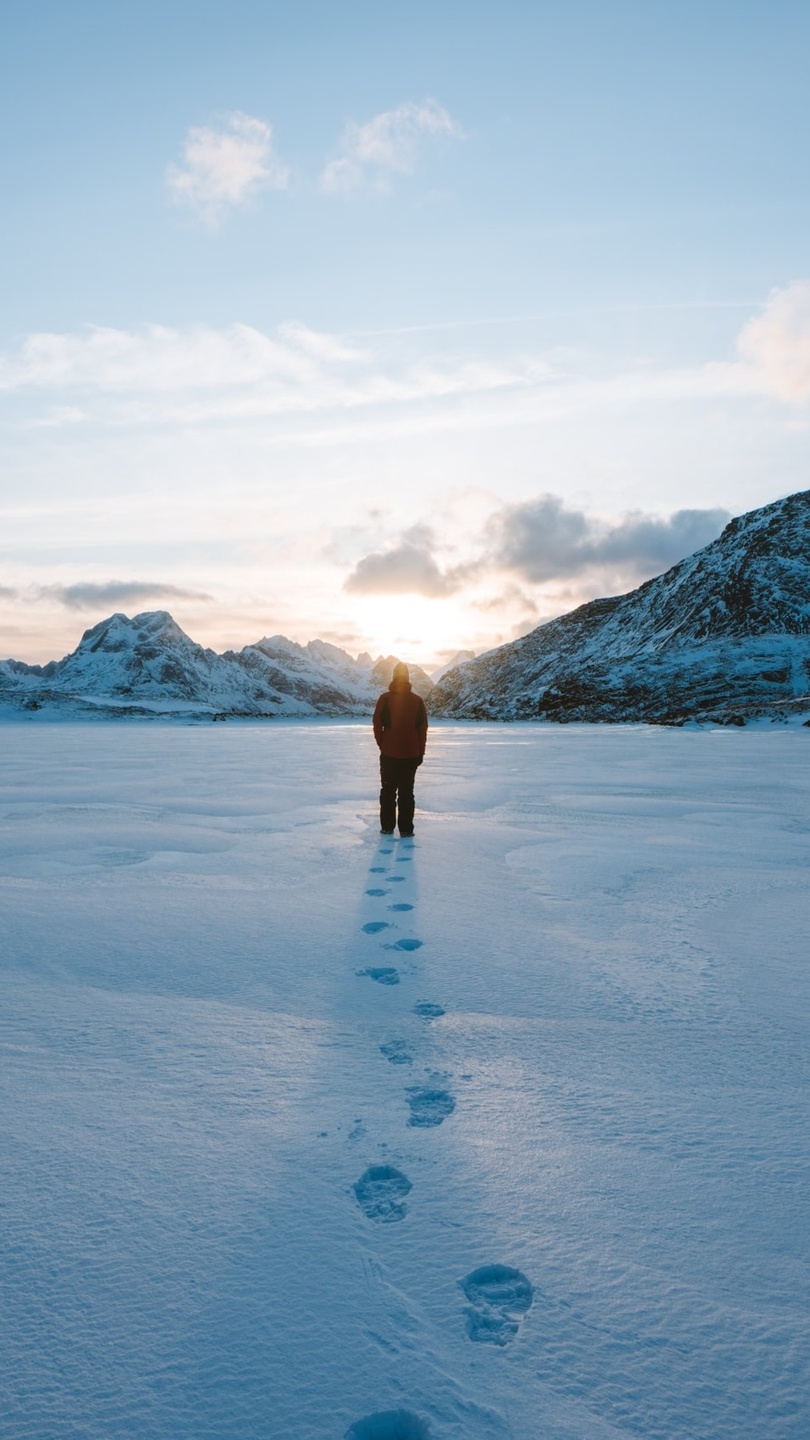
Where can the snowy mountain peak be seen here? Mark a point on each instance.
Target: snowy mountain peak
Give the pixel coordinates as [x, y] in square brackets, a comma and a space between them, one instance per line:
[148, 664]
[727, 629]
[383, 671]
[150, 624]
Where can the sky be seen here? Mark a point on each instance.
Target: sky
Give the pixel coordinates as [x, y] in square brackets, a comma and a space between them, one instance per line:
[405, 327]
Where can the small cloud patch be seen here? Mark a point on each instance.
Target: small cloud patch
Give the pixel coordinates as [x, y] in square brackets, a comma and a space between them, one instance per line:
[407, 568]
[225, 165]
[776, 344]
[369, 155]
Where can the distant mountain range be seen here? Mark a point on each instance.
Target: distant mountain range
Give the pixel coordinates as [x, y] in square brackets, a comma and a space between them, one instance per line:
[722, 636]
[148, 666]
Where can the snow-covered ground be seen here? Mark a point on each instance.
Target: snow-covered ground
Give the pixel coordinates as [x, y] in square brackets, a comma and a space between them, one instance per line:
[550, 1184]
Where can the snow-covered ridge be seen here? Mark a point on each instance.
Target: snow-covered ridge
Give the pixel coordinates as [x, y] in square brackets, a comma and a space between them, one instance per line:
[148, 665]
[724, 634]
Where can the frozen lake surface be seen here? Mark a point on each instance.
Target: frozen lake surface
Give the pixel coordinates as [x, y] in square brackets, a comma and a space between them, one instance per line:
[500, 1132]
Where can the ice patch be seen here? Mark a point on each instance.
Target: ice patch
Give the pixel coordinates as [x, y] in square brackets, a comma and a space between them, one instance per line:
[380, 1193]
[499, 1298]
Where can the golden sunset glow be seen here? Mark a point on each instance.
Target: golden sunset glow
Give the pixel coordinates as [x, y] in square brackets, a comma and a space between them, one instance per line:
[419, 630]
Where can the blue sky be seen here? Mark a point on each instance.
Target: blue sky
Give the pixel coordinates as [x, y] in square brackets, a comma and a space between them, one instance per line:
[404, 326]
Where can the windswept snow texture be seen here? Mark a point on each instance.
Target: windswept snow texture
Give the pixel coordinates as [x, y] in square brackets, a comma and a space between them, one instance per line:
[217, 1219]
[723, 636]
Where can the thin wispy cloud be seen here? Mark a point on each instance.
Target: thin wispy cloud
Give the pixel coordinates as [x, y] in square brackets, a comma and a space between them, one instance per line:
[372, 153]
[225, 165]
[156, 359]
[203, 375]
[315, 342]
[89, 595]
[237, 372]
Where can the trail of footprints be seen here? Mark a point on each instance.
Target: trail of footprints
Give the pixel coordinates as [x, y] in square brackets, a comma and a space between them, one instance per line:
[499, 1296]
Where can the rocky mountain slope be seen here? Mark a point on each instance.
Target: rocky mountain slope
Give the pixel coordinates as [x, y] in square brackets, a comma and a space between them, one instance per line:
[148, 665]
[725, 634]
[460, 658]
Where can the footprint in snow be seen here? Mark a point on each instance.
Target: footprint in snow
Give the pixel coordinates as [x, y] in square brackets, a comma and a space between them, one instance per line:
[380, 1192]
[377, 870]
[428, 1010]
[389, 1425]
[396, 1052]
[403, 905]
[377, 892]
[404, 859]
[407, 944]
[375, 926]
[383, 974]
[396, 880]
[429, 1107]
[499, 1298]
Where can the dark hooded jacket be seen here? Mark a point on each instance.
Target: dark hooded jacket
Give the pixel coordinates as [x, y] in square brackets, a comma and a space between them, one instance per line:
[400, 722]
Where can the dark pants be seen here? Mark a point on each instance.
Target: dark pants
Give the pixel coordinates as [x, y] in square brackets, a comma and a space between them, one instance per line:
[397, 777]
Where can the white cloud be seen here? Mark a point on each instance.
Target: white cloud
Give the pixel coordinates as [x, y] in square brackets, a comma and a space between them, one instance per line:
[776, 344]
[202, 375]
[225, 166]
[155, 358]
[314, 342]
[199, 373]
[387, 145]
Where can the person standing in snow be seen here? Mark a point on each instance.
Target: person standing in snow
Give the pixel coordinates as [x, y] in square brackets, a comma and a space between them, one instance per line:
[400, 729]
